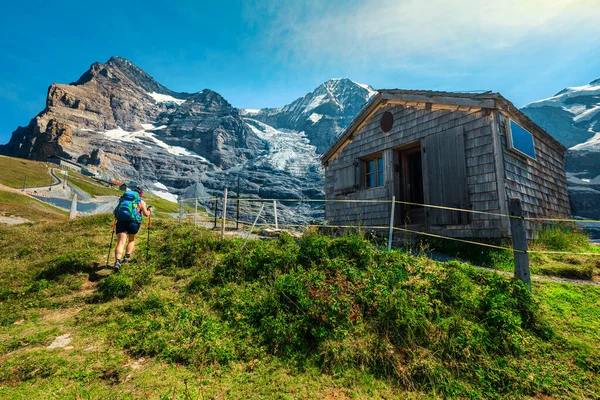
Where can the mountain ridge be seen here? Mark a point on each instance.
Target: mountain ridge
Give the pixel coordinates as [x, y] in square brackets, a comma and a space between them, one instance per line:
[178, 139]
[190, 142]
[572, 116]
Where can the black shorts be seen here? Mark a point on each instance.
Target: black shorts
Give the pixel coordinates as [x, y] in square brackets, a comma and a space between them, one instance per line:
[129, 227]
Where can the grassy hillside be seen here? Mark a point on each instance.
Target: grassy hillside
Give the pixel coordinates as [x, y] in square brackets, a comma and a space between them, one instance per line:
[93, 188]
[309, 318]
[13, 171]
[17, 205]
[557, 238]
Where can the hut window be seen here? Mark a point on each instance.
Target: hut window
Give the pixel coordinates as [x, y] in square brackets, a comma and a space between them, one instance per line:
[520, 139]
[387, 121]
[374, 172]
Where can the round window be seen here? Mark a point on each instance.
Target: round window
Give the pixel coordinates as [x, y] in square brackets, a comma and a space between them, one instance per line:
[387, 120]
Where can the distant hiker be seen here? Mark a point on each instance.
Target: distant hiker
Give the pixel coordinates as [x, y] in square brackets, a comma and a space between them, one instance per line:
[128, 214]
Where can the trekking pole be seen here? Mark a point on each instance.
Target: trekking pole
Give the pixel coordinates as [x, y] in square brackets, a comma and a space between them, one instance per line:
[114, 226]
[148, 241]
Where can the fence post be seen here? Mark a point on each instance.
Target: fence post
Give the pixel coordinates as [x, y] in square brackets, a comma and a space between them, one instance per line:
[180, 211]
[196, 214]
[224, 216]
[73, 212]
[391, 233]
[216, 204]
[519, 240]
[237, 217]
[275, 213]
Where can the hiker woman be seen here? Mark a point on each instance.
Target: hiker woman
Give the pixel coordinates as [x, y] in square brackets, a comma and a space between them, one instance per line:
[128, 215]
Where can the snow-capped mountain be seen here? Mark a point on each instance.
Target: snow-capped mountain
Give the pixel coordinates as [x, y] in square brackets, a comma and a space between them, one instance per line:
[322, 114]
[190, 143]
[572, 116]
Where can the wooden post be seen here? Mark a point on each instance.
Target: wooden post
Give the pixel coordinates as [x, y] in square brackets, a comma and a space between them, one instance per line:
[196, 214]
[391, 233]
[275, 213]
[180, 211]
[519, 240]
[73, 212]
[216, 204]
[253, 225]
[224, 216]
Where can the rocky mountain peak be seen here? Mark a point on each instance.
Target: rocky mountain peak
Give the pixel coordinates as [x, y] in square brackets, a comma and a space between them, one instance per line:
[339, 96]
[118, 70]
[208, 101]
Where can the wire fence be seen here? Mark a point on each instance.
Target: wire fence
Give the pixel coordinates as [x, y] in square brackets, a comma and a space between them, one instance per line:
[301, 214]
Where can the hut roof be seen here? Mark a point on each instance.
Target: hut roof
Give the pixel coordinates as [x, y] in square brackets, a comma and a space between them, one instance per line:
[462, 100]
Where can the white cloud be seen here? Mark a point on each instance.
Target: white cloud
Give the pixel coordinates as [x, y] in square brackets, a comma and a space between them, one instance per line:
[394, 32]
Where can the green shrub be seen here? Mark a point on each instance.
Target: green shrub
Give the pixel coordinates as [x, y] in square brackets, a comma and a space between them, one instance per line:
[262, 261]
[561, 238]
[184, 248]
[176, 332]
[130, 280]
[337, 303]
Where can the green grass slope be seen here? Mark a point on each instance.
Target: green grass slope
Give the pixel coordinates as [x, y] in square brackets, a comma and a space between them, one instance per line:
[13, 171]
[315, 317]
[553, 238]
[17, 205]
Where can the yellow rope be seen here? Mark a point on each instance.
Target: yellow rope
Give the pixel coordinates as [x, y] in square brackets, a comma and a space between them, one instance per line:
[457, 209]
[458, 240]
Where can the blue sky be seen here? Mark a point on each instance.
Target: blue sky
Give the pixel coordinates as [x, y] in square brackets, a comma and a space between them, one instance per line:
[263, 54]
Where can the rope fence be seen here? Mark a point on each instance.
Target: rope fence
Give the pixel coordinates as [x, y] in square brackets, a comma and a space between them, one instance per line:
[381, 201]
[248, 213]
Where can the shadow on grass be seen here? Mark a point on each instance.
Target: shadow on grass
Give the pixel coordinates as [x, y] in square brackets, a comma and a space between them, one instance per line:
[68, 264]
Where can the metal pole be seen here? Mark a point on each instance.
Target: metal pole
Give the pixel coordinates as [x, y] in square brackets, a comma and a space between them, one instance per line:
[253, 225]
[148, 240]
[391, 233]
[196, 214]
[275, 213]
[224, 216]
[519, 239]
[25, 183]
[114, 226]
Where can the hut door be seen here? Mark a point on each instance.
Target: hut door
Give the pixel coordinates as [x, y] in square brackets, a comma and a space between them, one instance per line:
[410, 186]
[446, 176]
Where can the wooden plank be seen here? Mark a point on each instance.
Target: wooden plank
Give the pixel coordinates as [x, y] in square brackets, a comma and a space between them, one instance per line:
[447, 176]
[438, 99]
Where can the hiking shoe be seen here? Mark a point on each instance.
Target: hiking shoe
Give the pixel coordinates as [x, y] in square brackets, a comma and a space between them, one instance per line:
[126, 259]
[117, 266]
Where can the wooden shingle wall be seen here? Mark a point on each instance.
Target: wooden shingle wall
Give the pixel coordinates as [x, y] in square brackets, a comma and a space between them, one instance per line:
[414, 124]
[540, 184]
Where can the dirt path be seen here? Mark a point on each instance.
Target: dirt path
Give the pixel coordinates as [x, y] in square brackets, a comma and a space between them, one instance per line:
[544, 278]
[13, 220]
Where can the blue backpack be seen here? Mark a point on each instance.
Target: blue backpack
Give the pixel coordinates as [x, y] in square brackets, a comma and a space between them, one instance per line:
[127, 209]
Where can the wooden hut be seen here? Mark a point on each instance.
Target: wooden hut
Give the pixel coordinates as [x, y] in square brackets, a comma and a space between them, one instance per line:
[470, 151]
